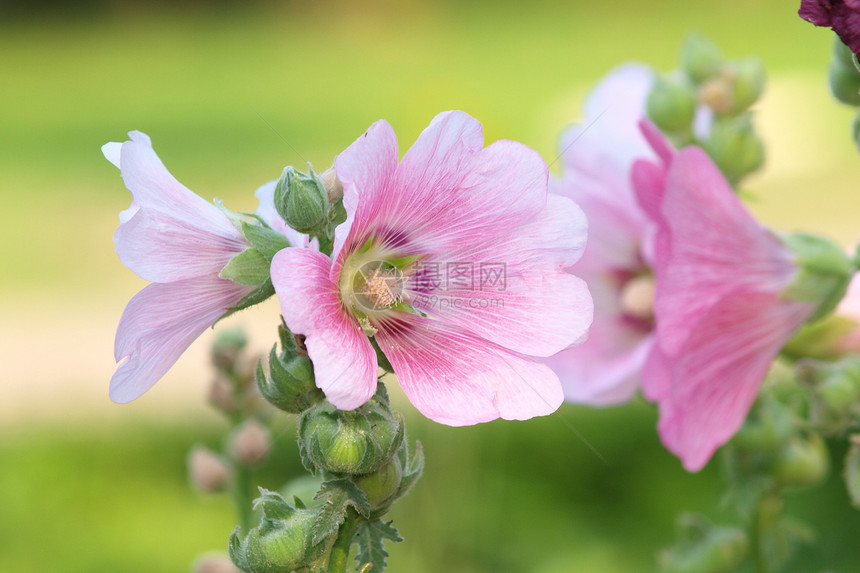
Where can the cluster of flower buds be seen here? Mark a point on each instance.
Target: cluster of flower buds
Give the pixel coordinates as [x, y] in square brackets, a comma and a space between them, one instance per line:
[706, 102]
[364, 460]
[835, 393]
[843, 74]
[232, 390]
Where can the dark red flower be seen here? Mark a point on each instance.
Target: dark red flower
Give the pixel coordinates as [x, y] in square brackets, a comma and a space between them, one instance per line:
[841, 15]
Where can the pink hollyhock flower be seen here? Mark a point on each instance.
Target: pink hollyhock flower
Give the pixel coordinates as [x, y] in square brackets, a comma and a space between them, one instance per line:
[722, 306]
[452, 263]
[843, 16]
[598, 157]
[180, 242]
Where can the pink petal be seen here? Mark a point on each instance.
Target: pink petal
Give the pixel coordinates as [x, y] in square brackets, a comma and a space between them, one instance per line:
[345, 364]
[446, 193]
[171, 234]
[815, 11]
[715, 247]
[365, 169]
[457, 379]
[717, 374]
[159, 323]
[540, 309]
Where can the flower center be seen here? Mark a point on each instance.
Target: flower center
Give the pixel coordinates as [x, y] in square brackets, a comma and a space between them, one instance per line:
[637, 297]
[383, 287]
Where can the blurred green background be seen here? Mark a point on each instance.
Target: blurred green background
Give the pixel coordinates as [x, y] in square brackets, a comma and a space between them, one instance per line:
[90, 486]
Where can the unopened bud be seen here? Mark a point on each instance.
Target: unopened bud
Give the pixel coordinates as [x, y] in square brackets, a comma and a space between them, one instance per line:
[290, 385]
[207, 470]
[381, 485]
[700, 58]
[250, 443]
[221, 394]
[226, 349]
[333, 186]
[802, 461]
[302, 200]
[746, 78]
[281, 543]
[671, 103]
[716, 93]
[844, 82]
[357, 442]
[215, 563]
[735, 148]
[769, 424]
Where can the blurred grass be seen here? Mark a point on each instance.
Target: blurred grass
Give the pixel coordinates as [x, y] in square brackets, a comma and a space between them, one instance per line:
[83, 491]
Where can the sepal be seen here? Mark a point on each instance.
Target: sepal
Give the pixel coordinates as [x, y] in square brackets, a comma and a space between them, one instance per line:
[824, 271]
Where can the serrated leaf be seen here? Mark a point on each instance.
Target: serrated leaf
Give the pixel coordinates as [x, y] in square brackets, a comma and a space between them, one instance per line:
[265, 239]
[256, 296]
[412, 469]
[249, 267]
[369, 536]
[339, 495]
[273, 505]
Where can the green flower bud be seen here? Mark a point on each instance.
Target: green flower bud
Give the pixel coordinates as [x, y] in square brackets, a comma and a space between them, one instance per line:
[852, 471]
[290, 385]
[381, 485]
[802, 461]
[357, 442]
[671, 103]
[746, 78]
[824, 272]
[700, 58]
[281, 543]
[844, 82]
[302, 200]
[735, 148]
[842, 53]
[835, 389]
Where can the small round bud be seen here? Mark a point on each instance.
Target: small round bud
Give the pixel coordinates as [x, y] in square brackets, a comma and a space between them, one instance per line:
[333, 186]
[700, 58]
[746, 78]
[221, 394]
[735, 148]
[381, 485]
[716, 93]
[207, 471]
[302, 200]
[844, 82]
[215, 563]
[290, 385]
[671, 103]
[802, 461]
[769, 424]
[250, 443]
[357, 442]
[282, 542]
[227, 347]
[824, 272]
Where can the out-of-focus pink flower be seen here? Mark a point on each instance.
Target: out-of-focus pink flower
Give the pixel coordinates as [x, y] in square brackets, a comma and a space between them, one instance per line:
[721, 315]
[841, 15]
[180, 242]
[598, 157]
[452, 263]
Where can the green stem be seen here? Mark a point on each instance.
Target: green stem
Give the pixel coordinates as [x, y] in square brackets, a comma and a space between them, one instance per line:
[242, 496]
[340, 550]
[762, 521]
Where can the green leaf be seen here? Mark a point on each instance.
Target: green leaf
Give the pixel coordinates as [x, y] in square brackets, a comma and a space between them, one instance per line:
[369, 536]
[339, 495]
[265, 239]
[247, 268]
[852, 471]
[412, 467]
